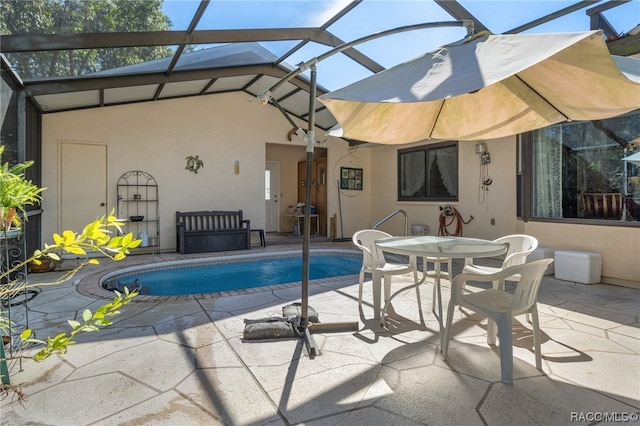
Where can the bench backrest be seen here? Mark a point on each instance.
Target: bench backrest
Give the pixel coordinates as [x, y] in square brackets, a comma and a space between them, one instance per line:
[209, 220]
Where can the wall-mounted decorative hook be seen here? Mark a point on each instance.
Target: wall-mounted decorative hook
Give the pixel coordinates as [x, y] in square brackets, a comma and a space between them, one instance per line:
[194, 163]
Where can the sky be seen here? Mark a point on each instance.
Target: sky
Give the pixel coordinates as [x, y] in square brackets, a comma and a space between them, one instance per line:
[372, 16]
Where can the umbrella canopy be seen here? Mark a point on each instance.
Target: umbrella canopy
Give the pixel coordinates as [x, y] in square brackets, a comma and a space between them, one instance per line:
[489, 86]
[633, 158]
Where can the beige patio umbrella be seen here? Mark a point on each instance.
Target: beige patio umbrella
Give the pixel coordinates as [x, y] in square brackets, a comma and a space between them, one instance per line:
[633, 159]
[488, 86]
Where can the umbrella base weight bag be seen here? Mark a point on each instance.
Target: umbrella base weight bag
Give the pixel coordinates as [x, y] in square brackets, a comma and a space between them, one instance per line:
[269, 328]
[295, 309]
[275, 327]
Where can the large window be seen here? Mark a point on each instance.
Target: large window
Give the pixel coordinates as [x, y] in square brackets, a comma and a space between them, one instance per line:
[428, 173]
[578, 170]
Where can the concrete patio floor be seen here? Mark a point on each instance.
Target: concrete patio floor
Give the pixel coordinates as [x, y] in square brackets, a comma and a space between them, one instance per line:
[183, 361]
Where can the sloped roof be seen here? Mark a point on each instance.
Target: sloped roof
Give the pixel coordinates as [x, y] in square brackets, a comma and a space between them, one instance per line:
[252, 60]
[228, 55]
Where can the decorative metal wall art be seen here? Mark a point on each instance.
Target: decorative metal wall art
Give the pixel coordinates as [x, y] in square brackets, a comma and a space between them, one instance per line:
[350, 178]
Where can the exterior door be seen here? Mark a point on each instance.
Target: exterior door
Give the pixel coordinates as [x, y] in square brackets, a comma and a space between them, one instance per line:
[271, 196]
[83, 184]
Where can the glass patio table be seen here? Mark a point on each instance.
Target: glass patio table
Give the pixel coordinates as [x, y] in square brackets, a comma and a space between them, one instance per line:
[431, 246]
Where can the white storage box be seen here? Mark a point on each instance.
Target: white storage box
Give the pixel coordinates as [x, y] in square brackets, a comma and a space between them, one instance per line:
[578, 266]
[543, 253]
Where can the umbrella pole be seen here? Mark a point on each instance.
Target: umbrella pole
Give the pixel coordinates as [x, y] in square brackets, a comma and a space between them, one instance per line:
[351, 326]
[310, 343]
[626, 188]
[263, 98]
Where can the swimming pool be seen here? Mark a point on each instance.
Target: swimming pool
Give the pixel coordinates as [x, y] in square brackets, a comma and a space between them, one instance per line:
[226, 273]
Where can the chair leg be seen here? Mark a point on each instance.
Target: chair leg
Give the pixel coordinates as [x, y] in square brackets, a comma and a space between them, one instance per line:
[492, 330]
[387, 293]
[387, 287]
[376, 282]
[447, 330]
[360, 284]
[536, 336]
[505, 329]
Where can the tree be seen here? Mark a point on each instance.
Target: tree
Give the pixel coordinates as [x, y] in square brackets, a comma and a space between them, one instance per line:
[81, 16]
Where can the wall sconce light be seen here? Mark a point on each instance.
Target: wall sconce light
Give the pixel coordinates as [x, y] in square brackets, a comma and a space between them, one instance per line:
[481, 149]
[263, 98]
[236, 168]
[485, 179]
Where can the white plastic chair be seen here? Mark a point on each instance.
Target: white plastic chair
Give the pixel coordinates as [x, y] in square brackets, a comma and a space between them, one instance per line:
[372, 258]
[500, 307]
[519, 247]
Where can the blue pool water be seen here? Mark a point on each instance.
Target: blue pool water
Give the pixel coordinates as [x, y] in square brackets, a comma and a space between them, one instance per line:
[241, 273]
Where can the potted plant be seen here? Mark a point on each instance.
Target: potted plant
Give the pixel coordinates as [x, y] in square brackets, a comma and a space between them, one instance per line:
[41, 264]
[16, 192]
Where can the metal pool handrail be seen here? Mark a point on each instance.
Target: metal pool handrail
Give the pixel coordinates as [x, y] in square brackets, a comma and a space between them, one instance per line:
[406, 220]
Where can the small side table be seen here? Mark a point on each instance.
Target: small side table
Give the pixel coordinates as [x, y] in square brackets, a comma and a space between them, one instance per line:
[299, 220]
[263, 241]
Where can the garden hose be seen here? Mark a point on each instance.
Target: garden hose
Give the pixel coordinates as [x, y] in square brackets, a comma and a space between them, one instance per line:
[449, 215]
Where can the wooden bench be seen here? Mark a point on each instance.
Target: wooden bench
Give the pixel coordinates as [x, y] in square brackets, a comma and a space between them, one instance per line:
[207, 231]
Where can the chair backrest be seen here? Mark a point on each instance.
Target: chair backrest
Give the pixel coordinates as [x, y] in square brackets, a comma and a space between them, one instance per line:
[526, 292]
[365, 241]
[519, 247]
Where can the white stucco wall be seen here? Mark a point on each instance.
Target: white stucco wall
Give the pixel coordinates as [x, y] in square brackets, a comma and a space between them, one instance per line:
[619, 246]
[353, 205]
[499, 200]
[157, 136]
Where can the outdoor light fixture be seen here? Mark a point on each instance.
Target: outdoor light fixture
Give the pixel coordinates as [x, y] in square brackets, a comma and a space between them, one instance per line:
[485, 179]
[263, 98]
[481, 149]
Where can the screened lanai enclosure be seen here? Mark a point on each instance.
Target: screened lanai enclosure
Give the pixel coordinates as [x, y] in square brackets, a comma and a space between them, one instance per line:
[60, 57]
